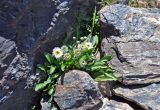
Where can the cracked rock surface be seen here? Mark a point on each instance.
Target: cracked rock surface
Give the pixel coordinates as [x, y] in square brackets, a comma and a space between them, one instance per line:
[76, 90]
[147, 96]
[136, 44]
[28, 29]
[115, 105]
[132, 37]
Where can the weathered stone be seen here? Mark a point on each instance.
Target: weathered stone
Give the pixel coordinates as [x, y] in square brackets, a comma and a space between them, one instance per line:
[125, 2]
[105, 88]
[7, 53]
[28, 29]
[145, 3]
[147, 96]
[45, 105]
[76, 90]
[133, 38]
[158, 3]
[114, 105]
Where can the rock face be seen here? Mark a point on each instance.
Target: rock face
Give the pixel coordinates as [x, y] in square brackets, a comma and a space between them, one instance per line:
[133, 39]
[147, 97]
[114, 105]
[28, 28]
[134, 43]
[45, 105]
[146, 3]
[76, 90]
[105, 88]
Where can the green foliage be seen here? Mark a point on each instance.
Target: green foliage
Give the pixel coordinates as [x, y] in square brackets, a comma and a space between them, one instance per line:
[80, 55]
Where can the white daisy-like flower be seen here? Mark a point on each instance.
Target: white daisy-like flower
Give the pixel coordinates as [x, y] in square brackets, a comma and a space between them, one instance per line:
[88, 45]
[57, 52]
[77, 52]
[67, 56]
[64, 48]
[82, 62]
[81, 46]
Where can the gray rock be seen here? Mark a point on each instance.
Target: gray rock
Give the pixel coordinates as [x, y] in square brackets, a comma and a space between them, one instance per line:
[125, 2]
[76, 90]
[7, 53]
[147, 96]
[105, 88]
[146, 3]
[114, 105]
[28, 29]
[133, 38]
[158, 3]
[45, 105]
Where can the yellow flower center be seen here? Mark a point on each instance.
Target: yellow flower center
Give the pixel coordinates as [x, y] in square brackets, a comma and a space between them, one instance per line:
[67, 56]
[57, 52]
[88, 45]
[77, 52]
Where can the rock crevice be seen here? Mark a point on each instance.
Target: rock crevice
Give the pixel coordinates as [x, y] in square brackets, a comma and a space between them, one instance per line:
[135, 51]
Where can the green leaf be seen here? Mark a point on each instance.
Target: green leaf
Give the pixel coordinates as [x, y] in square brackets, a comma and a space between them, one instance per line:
[101, 78]
[49, 58]
[106, 58]
[41, 86]
[63, 67]
[104, 78]
[48, 80]
[50, 92]
[52, 69]
[41, 67]
[98, 67]
[109, 70]
[99, 63]
[95, 40]
[55, 76]
[110, 76]
[93, 19]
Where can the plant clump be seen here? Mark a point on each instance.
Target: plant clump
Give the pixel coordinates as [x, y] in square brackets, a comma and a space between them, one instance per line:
[81, 55]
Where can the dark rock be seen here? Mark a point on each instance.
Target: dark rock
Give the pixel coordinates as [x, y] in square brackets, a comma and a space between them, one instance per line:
[147, 96]
[134, 42]
[114, 105]
[76, 90]
[125, 2]
[28, 29]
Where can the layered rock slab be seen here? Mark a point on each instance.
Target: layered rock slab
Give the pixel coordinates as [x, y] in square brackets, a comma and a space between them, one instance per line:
[28, 29]
[114, 105]
[133, 38]
[148, 97]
